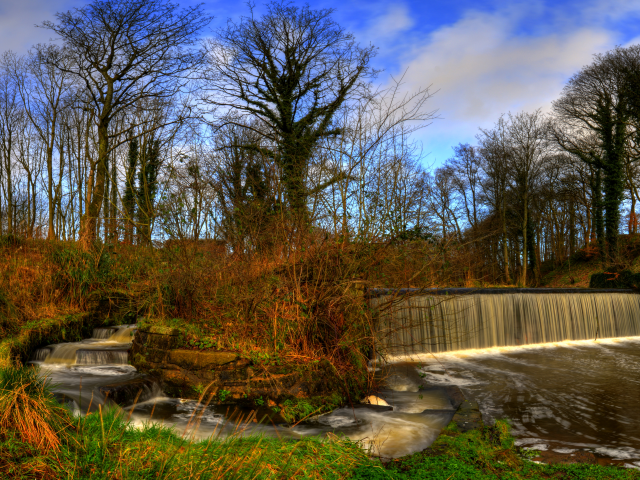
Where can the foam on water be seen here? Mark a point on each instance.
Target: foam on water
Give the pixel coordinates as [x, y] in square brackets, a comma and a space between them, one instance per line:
[566, 395]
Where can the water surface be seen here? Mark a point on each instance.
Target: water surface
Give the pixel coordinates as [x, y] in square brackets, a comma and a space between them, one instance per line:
[560, 396]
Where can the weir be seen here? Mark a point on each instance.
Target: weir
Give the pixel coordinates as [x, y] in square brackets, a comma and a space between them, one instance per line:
[432, 321]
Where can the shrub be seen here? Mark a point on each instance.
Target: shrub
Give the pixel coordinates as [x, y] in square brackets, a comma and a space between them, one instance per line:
[615, 279]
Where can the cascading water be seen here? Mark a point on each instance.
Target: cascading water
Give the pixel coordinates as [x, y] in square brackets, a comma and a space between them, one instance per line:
[102, 357]
[90, 373]
[77, 370]
[103, 333]
[41, 354]
[563, 367]
[441, 323]
[113, 349]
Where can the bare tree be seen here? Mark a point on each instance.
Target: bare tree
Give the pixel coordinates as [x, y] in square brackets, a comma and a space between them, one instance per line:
[529, 149]
[597, 100]
[44, 90]
[292, 69]
[12, 120]
[122, 52]
[496, 155]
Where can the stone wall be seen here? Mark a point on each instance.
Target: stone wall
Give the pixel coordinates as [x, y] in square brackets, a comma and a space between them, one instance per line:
[186, 373]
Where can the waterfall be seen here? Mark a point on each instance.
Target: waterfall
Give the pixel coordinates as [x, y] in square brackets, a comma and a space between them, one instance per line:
[107, 346]
[41, 354]
[102, 357]
[123, 334]
[103, 333]
[428, 323]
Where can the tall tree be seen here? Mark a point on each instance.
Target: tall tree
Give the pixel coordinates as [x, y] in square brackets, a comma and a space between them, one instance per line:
[125, 52]
[11, 125]
[496, 156]
[597, 99]
[528, 134]
[129, 197]
[292, 69]
[44, 90]
[149, 164]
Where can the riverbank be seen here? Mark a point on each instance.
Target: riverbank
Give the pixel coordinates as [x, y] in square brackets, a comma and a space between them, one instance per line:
[103, 445]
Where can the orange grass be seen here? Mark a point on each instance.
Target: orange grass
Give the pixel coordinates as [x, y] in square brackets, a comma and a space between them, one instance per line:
[27, 408]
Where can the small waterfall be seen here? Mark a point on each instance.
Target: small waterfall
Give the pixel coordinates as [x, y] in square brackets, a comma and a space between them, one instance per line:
[439, 323]
[102, 357]
[103, 333]
[101, 349]
[64, 353]
[41, 354]
[123, 334]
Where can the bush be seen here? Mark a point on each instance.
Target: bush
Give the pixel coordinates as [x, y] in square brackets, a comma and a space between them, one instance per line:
[613, 279]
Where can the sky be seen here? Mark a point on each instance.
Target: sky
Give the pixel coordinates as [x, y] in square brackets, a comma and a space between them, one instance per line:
[480, 58]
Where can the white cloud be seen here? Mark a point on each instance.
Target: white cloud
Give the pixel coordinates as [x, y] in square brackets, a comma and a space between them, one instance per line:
[483, 66]
[19, 17]
[395, 19]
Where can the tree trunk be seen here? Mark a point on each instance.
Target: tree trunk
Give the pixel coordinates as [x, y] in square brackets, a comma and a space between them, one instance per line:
[525, 243]
[95, 193]
[505, 250]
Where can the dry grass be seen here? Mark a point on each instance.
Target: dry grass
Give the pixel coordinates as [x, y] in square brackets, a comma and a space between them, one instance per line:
[28, 409]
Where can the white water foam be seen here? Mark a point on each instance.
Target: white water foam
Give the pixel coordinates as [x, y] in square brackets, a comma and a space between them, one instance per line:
[494, 351]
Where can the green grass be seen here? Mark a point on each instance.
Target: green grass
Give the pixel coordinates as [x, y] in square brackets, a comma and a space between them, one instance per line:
[103, 445]
[486, 454]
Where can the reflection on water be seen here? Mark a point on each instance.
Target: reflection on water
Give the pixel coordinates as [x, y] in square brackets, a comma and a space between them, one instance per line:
[78, 370]
[563, 396]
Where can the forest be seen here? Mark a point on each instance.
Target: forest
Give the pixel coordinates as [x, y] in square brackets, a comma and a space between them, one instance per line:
[238, 219]
[136, 126]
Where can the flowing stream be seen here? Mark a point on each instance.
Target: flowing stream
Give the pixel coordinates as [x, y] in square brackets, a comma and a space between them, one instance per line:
[563, 367]
[561, 397]
[80, 373]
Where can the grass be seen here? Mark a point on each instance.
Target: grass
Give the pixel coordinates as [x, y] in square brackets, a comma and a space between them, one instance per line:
[103, 445]
[27, 408]
[483, 454]
[41, 439]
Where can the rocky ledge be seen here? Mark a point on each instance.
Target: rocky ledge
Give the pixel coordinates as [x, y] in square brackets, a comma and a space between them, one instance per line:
[224, 376]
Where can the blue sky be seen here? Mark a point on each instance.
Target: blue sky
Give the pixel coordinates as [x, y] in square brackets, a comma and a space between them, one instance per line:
[483, 58]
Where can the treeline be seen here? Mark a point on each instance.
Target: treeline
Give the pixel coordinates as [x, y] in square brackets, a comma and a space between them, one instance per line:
[133, 127]
[537, 188]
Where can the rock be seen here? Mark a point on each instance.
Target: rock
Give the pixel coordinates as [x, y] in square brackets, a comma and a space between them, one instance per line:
[124, 393]
[372, 407]
[200, 360]
[468, 416]
[373, 400]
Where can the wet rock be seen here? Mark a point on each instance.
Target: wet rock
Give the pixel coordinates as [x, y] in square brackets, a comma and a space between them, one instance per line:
[183, 372]
[125, 393]
[468, 416]
[370, 406]
[373, 400]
